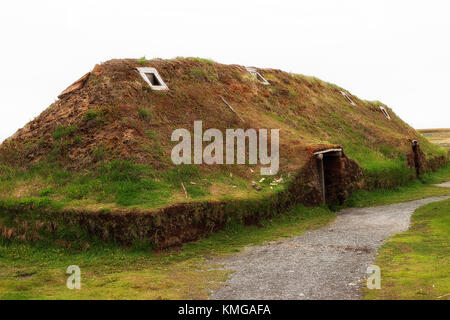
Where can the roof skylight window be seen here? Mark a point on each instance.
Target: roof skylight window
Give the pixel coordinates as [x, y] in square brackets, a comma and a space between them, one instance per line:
[257, 75]
[385, 112]
[152, 77]
[348, 98]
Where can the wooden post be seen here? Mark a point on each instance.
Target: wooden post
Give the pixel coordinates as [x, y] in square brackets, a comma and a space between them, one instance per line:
[321, 177]
[231, 108]
[184, 189]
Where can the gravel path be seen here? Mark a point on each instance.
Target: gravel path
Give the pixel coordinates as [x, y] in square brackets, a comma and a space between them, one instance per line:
[445, 184]
[328, 263]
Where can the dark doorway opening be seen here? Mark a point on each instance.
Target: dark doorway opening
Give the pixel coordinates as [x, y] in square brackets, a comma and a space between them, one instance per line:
[416, 152]
[331, 167]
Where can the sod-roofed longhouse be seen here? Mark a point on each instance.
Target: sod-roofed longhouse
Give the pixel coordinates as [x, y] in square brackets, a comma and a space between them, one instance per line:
[107, 145]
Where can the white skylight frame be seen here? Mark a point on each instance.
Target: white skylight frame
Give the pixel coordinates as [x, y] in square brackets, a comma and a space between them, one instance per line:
[348, 98]
[257, 75]
[144, 71]
[384, 111]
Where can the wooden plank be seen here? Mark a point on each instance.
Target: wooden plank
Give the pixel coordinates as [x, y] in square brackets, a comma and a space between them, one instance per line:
[231, 108]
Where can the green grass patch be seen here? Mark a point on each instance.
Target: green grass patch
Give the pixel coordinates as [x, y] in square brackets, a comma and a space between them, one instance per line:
[99, 114]
[202, 60]
[91, 115]
[144, 113]
[198, 73]
[119, 183]
[62, 132]
[383, 168]
[142, 61]
[415, 264]
[151, 134]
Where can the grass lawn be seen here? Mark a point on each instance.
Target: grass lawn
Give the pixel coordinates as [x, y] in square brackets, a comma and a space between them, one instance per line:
[111, 272]
[416, 264]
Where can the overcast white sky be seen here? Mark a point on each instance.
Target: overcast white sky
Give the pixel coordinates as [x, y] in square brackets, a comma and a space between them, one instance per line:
[397, 52]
